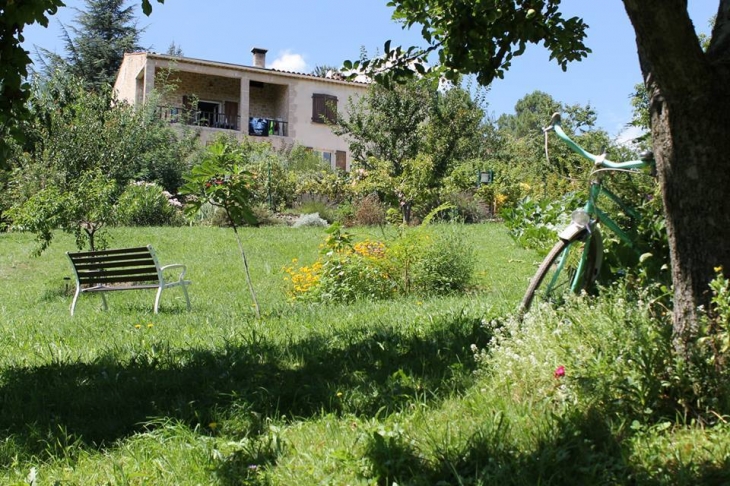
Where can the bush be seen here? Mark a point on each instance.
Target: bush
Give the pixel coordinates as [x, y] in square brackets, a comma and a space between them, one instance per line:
[535, 224]
[204, 216]
[417, 261]
[615, 354]
[446, 265]
[355, 275]
[325, 184]
[607, 353]
[345, 214]
[310, 220]
[312, 203]
[466, 208]
[345, 272]
[170, 155]
[146, 204]
[369, 211]
[265, 216]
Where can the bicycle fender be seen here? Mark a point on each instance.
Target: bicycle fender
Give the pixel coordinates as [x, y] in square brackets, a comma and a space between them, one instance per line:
[571, 231]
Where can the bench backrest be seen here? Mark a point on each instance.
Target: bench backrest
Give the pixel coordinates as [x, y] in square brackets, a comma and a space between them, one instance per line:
[121, 265]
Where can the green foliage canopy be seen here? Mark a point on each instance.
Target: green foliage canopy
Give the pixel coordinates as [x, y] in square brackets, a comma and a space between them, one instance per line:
[14, 89]
[222, 180]
[104, 31]
[481, 37]
[81, 149]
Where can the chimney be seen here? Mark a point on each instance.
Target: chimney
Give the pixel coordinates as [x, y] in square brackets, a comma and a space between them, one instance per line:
[259, 57]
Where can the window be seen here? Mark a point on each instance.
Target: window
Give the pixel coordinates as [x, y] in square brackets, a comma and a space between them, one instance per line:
[324, 108]
[327, 156]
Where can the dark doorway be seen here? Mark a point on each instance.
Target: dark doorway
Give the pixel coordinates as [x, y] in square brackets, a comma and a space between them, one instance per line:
[208, 113]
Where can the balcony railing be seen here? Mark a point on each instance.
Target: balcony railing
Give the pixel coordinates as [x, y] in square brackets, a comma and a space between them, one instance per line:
[257, 126]
[199, 118]
[264, 127]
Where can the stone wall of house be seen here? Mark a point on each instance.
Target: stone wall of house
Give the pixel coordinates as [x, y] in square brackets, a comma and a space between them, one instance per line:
[205, 87]
[267, 100]
[126, 85]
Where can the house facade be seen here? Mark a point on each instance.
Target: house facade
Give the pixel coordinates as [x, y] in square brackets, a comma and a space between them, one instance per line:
[279, 107]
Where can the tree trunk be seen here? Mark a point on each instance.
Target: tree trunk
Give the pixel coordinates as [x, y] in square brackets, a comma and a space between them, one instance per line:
[405, 209]
[690, 117]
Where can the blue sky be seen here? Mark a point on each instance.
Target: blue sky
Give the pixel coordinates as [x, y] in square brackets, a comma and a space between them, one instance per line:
[303, 34]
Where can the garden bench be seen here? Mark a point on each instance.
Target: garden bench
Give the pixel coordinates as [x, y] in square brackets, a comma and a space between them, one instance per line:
[123, 269]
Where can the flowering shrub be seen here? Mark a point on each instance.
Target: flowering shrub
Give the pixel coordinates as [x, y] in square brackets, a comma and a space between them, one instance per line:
[347, 271]
[147, 204]
[304, 279]
[344, 272]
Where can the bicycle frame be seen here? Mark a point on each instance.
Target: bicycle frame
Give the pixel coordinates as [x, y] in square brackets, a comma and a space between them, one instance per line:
[595, 214]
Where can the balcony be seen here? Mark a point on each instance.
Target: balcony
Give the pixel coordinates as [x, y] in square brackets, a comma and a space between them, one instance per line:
[199, 118]
[257, 126]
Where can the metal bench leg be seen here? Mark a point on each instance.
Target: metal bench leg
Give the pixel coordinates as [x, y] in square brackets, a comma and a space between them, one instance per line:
[103, 301]
[185, 291]
[157, 299]
[76, 297]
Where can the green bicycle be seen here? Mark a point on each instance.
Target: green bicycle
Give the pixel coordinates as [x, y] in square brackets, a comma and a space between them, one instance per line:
[574, 262]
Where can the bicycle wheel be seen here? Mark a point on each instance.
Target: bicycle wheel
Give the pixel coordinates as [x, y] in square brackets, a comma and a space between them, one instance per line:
[558, 271]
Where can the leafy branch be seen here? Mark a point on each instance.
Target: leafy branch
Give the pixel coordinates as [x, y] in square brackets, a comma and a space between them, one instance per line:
[222, 181]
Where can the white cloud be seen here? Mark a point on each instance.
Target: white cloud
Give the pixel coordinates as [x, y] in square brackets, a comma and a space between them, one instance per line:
[288, 61]
[628, 134]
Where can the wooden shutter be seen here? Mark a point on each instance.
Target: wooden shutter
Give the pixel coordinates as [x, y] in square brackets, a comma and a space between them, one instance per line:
[231, 112]
[331, 109]
[341, 160]
[318, 108]
[324, 108]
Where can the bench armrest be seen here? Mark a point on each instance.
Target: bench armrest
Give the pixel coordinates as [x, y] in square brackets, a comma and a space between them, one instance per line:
[175, 265]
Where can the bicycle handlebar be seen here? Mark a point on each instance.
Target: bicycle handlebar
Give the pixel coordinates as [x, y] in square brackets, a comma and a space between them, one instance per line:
[599, 160]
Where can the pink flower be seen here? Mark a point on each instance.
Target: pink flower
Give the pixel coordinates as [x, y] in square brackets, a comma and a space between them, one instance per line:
[559, 372]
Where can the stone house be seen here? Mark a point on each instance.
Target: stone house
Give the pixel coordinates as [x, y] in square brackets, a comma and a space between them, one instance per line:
[280, 107]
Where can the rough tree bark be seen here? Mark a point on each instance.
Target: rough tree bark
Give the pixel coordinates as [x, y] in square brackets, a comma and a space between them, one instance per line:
[690, 117]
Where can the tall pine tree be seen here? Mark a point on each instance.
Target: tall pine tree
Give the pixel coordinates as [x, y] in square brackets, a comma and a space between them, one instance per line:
[95, 46]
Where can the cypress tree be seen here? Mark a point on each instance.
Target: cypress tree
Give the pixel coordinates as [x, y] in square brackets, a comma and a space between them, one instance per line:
[95, 45]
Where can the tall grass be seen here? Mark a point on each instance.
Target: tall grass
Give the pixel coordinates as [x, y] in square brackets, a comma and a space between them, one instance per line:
[444, 390]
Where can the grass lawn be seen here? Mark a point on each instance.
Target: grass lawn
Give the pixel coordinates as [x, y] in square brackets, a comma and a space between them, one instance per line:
[312, 394]
[418, 391]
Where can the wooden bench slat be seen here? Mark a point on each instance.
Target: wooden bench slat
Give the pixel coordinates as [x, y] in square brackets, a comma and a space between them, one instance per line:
[104, 287]
[114, 251]
[131, 271]
[132, 257]
[143, 277]
[85, 267]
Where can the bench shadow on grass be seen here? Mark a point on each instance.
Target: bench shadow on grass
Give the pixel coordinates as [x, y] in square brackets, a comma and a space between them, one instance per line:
[48, 408]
